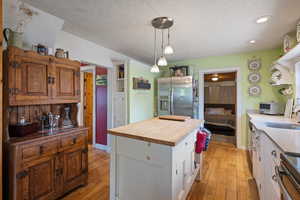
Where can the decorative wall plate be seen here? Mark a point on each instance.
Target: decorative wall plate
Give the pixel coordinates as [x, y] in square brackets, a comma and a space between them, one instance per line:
[254, 64]
[254, 90]
[254, 77]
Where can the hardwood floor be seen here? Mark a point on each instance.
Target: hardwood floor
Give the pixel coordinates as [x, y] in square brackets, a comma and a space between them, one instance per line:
[226, 176]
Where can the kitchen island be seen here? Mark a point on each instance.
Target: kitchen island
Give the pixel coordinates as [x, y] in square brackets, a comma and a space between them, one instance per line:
[153, 159]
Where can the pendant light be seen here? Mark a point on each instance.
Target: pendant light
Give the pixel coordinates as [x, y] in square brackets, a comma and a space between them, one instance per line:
[154, 68]
[162, 23]
[162, 61]
[168, 49]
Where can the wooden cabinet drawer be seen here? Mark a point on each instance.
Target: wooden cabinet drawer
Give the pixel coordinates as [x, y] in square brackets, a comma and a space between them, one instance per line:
[72, 140]
[34, 151]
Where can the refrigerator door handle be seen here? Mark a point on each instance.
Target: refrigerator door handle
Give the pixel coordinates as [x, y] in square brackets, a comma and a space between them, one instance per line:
[171, 101]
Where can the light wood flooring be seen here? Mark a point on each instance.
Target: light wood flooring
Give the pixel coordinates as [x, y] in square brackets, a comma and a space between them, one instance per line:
[226, 176]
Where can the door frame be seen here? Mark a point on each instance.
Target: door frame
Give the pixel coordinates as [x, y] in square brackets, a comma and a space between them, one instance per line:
[238, 97]
[92, 68]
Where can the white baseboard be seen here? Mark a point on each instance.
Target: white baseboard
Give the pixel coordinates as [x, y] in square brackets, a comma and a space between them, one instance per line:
[242, 147]
[100, 146]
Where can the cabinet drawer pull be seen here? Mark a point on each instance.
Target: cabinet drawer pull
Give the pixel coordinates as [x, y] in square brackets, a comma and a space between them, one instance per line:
[15, 64]
[148, 157]
[85, 150]
[22, 174]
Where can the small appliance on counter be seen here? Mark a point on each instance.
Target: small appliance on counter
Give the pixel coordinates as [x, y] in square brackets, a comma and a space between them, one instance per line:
[271, 108]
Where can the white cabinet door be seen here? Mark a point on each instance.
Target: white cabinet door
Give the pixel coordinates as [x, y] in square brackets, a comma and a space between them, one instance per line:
[189, 160]
[269, 153]
[180, 180]
[119, 110]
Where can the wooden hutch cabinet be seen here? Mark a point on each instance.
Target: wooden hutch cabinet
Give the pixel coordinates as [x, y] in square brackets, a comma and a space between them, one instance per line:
[36, 79]
[42, 165]
[47, 167]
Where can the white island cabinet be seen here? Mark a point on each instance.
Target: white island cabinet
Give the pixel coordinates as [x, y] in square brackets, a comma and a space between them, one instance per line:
[153, 160]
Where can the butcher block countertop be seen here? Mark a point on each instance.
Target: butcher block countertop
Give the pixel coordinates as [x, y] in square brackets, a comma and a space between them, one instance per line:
[166, 132]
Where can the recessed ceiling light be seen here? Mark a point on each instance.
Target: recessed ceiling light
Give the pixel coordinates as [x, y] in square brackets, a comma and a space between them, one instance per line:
[262, 19]
[252, 41]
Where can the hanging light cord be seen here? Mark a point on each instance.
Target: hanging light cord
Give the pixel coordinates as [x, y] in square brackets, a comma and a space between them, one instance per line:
[168, 36]
[162, 42]
[155, 46]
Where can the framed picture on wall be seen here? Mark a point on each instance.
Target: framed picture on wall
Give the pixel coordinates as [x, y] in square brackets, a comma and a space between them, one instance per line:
[101, 80]
[179, 71]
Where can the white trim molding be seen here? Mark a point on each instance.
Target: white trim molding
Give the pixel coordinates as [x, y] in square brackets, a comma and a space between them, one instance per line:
[238, 100]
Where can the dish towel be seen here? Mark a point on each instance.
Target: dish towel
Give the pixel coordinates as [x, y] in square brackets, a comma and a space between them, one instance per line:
[200, 143]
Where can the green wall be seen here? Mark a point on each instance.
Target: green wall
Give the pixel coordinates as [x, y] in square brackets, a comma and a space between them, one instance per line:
[141, 103]
[240, 60]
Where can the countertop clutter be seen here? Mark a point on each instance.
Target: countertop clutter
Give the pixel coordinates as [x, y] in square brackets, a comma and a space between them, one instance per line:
[287, 140]
[167, 132]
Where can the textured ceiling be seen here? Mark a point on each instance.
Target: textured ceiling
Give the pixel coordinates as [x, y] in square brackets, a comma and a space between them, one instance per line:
[202, 27]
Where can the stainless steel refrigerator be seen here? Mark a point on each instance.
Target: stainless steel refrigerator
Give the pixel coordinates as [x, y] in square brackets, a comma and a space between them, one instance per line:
[176, 96]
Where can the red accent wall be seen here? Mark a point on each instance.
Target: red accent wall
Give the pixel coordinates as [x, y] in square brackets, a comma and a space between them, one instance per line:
[101, 110]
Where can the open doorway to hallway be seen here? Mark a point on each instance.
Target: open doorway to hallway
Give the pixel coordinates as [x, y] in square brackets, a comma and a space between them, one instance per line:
[220, 98]
[220, 106]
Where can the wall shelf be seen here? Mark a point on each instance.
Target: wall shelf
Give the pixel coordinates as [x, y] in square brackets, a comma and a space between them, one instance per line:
[290, 58]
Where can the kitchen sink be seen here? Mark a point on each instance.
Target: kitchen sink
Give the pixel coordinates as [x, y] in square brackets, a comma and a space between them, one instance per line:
[283, 125]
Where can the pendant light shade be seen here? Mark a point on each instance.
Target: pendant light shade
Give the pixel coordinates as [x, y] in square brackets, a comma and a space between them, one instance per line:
[168, 50]
[162, 61]
[154, 69]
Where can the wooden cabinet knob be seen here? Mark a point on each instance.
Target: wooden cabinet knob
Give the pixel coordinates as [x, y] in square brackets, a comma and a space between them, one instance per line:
[74, 140]
[41, 149]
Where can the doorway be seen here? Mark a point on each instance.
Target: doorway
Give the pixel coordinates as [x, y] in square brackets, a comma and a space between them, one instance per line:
[220, 106]
[97, 104]
[235, 108]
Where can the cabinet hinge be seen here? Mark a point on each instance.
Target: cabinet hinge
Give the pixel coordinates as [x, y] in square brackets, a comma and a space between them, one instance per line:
[77, 73]
[13, 91]
[21, 174]
[15, 64]
[77, 92]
